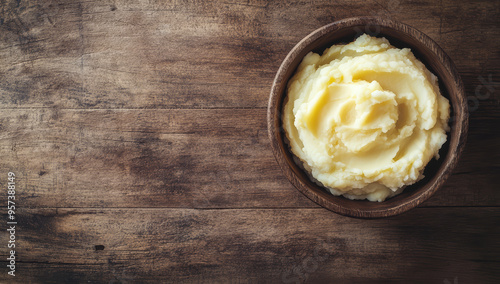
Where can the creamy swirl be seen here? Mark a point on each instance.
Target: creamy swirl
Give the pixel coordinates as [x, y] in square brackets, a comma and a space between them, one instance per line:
[365, 118]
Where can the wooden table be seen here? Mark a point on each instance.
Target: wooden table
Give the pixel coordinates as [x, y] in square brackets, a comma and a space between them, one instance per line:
[137, 134]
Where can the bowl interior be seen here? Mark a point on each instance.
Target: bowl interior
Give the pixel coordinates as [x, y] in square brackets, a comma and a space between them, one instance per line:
[450, 85]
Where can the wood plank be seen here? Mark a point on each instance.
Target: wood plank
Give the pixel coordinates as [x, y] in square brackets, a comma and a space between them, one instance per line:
[255, 246]
[137, 158]
[151, 54]
[218, 158]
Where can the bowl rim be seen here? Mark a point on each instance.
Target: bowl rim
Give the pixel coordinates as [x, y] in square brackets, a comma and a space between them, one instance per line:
[275, 126]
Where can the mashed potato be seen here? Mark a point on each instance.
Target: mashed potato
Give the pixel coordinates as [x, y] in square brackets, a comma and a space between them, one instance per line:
[365, 118]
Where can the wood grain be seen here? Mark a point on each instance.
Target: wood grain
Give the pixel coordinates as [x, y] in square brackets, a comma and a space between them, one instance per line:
[182, 158]
[121, 116]
[117, 54]
[257, 246]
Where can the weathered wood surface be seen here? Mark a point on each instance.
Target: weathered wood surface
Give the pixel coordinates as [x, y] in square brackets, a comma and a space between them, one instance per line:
[219, 54]
[183, 158]
[259, 245]
[121, 117]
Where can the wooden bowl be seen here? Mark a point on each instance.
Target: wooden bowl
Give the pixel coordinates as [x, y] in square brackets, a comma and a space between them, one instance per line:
[427, 51]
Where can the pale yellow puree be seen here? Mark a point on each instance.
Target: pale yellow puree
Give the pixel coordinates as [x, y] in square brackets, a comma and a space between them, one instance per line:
[365, 118]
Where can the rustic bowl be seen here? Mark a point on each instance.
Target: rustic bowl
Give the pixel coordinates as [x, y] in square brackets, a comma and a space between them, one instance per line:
[427, 51]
